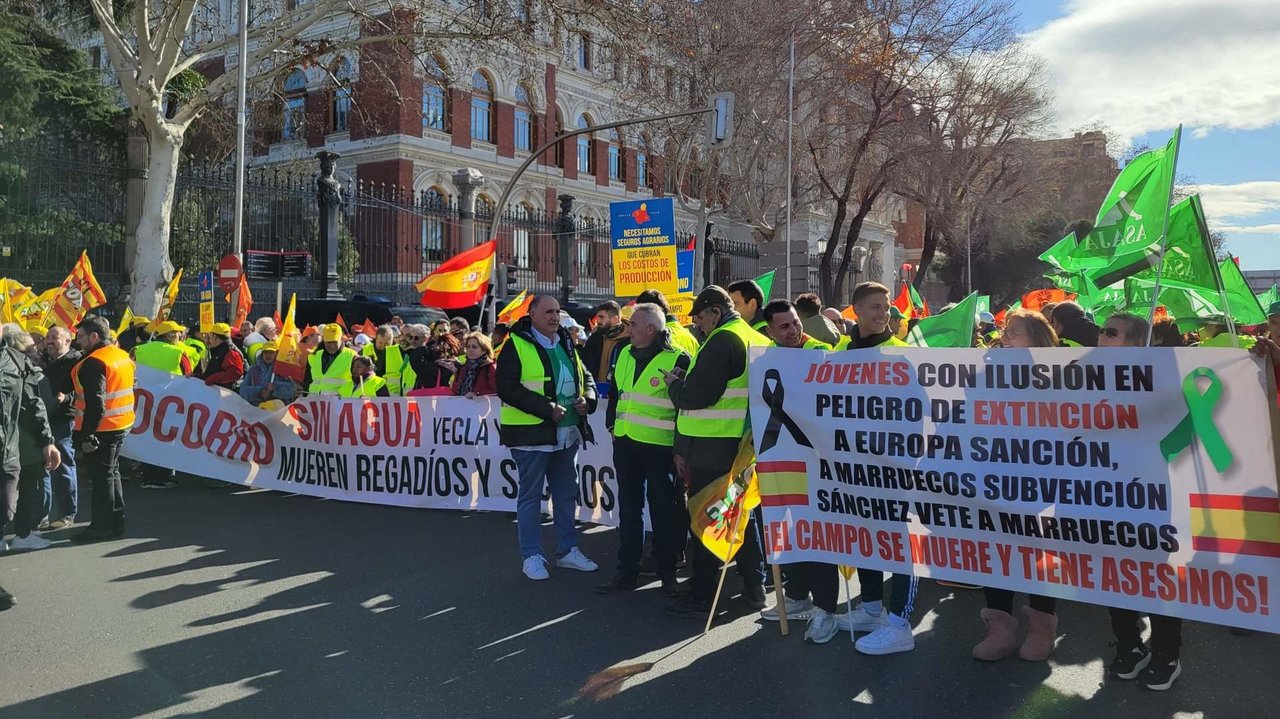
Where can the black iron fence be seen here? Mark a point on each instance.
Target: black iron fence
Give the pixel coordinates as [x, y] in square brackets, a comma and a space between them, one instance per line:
[58, 199]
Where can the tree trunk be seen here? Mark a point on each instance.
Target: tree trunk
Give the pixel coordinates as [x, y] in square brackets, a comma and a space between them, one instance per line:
[927, 250]
[152, 269]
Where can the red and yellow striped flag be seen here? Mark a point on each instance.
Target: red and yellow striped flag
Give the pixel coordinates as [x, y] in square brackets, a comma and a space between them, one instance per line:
[517, 308]
[1234, 524]
[719, 512]
[166, 304]
[461, 281]
[784, 483]
[78, 294]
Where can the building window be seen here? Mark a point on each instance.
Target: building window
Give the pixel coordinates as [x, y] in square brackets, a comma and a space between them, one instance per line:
[642, 164]
[586, 153]
[481, 108]
[295, 104]
[435, 98]
[520, 240]
[615, 156]
[433, 202]
[559, 150]
[524, 121]
[340, 112]
[584, 51]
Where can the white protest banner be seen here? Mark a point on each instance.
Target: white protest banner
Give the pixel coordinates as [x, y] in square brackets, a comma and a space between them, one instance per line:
[1138, 478]
[435, 452]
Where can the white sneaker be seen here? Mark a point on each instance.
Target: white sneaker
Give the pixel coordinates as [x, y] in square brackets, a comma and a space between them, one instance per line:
[29, 542]
[888, 639]
[535, 568]
[822, 627]
[575, 559]
[796, 609]
[860, 621]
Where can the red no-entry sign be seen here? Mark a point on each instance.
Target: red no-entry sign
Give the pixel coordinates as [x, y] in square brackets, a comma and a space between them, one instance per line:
[229, 270]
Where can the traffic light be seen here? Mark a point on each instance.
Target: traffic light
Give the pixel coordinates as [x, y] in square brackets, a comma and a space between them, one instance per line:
[509, 280]
[720, 121]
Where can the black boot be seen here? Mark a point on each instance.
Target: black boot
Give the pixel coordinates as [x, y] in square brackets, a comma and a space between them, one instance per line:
[619, 583]
[7, 600]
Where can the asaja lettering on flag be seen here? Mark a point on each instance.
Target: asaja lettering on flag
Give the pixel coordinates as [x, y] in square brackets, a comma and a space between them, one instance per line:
[461, 281]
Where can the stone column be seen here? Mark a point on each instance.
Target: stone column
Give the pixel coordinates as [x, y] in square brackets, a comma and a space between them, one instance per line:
[467, 180]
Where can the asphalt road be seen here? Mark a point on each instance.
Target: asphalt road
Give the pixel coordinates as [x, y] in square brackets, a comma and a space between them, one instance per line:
[241, 603]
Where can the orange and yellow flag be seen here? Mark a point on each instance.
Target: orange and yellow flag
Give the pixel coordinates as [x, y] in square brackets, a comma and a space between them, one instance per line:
[77, 294]
[516, 308]
[166, 305]
[719, 512]
[461, 281]
[244, 303]
[290, 360]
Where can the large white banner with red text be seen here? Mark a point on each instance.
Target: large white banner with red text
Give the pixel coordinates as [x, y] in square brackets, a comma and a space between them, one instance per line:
[437, 452]
[1139, 478]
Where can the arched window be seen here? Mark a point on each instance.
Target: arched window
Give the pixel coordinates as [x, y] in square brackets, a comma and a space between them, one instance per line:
[481, 108]
[559, 151]
[642, 163]
[435, 98]
[434, 205]
[586, 153]
[340, 111]
[484, 219]
[520, 240]
[615, 156]
[524, 120]
[295, 104]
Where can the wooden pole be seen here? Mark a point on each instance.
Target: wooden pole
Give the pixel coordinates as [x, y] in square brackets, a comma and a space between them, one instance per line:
[776, 569]
[724, 568]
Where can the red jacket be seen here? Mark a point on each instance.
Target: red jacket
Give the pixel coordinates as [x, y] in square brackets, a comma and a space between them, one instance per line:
[486, 379]
[225, 367]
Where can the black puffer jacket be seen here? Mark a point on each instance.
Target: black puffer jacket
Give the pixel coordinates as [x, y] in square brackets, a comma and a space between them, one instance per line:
[512, 392]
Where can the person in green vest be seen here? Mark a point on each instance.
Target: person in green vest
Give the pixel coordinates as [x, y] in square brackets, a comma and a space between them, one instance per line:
[642, 420]
[787, 329]
[329, 370]
[713, 403]
[748, 299]
[890, 631]
[196, 349]
[365, 381]
[546, 394]
[1214, 333]
[681, 337]
[264, 330]
[388, 360]
[165, 353]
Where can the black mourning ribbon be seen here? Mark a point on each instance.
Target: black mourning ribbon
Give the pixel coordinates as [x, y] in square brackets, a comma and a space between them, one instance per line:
[772, 394]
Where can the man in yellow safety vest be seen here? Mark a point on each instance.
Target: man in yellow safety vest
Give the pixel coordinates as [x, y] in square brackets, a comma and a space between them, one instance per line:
[713, 402]
[329, 370]
[165, 353]
[643, 422]
[388, 360]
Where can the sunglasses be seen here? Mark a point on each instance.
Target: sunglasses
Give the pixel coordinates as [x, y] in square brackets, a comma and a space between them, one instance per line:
[1111, 332]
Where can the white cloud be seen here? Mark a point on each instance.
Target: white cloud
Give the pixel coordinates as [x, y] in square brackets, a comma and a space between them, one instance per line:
[1241, 200]
[1145, 65]
[1273, 229]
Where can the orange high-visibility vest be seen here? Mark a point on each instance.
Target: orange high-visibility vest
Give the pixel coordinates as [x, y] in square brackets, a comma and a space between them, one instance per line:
[117, 403]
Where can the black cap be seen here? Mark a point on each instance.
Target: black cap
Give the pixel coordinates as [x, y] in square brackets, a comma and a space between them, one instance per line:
[710, 296]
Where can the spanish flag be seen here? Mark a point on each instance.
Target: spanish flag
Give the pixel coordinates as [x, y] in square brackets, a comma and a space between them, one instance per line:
[461, 281]
[78, 294]
[1235, 524]
[903, 302]
[784, 483]
[719, 512]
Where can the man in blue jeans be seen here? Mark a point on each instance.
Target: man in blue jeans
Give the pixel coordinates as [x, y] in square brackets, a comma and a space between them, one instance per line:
[546, 395]
[60, 358]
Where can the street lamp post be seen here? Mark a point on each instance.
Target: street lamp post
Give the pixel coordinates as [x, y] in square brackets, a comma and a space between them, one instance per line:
[791, 104]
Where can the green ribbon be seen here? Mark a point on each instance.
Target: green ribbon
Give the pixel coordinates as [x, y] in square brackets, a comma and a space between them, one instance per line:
[1198, 421]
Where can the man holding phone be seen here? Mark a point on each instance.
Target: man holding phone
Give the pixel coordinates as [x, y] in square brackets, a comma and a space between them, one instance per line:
[546, 394]
[713, 400]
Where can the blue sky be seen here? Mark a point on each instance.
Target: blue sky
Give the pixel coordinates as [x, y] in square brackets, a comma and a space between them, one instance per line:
[1140, 67]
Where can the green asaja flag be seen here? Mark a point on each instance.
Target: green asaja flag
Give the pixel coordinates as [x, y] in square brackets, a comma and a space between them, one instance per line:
[1189, 259]
[1268, 298]
[766, 283]
[1131, 218]
[953, 328]
[1190, 305]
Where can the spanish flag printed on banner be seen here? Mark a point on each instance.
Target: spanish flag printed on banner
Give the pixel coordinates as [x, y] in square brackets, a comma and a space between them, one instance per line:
[784, 483]
[460, 282]
[1233, 524]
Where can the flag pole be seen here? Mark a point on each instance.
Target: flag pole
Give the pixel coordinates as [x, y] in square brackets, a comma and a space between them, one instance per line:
[781, 597]
[1164, 235]
[1203, 226]
[724, 569]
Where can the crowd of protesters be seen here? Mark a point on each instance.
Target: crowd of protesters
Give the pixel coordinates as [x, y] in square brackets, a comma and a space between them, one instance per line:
[676, 403]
